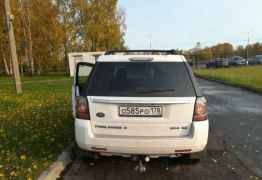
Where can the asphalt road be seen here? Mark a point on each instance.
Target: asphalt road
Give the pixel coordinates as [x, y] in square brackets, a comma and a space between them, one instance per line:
[234, 148]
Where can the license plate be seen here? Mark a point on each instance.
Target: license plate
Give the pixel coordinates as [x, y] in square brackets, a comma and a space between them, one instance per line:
[140, 110]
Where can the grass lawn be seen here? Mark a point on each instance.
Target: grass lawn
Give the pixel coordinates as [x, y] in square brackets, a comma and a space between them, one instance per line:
[34, 126]
[248, 77]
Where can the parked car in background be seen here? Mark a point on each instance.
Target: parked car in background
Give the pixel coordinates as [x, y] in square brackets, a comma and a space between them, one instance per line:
[218, 63]
[255, 60]
[252, 61]
[237, 61]
[258, 59]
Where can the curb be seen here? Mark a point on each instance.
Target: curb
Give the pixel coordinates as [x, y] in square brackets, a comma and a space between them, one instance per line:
[54, 171]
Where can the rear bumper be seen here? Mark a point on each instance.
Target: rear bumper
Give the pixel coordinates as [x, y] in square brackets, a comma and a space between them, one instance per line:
[195, 142]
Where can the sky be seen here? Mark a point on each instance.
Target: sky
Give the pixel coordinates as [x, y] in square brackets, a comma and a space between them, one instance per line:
[172, 24]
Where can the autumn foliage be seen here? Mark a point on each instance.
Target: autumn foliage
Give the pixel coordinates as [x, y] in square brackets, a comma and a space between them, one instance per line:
[47, 30]
[224, 50]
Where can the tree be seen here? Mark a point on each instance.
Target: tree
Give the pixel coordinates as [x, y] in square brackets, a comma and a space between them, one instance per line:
[102, 25]
[240, 51]
[4, 52]
[223, 50]
[206, 54]
[254, 49]
[28, 42]
[68, 21]
[47, 34]
[47, 30]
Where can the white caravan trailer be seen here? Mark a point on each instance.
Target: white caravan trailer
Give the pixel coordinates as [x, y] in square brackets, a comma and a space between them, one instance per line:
[77, 57]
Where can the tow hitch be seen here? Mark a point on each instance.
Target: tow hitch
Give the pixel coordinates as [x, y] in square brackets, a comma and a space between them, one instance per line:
[141, 167]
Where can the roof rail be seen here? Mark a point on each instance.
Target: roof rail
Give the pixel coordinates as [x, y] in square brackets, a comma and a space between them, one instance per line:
[143, 52]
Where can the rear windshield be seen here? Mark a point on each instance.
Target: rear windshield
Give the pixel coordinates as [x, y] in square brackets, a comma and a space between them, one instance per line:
[141, 79]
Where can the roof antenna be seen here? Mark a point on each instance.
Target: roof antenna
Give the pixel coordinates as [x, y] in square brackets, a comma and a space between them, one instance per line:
[150, 41]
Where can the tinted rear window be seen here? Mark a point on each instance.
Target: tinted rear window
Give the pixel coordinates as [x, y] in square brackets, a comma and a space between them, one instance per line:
[141, 79]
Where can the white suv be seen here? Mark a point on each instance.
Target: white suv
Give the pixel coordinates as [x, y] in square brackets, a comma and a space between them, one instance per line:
[135, 103]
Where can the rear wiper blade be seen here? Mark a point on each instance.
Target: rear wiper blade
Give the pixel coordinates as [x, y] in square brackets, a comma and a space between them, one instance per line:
[155, 91]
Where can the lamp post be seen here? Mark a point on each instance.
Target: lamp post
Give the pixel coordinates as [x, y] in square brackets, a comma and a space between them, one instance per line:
[9, 24]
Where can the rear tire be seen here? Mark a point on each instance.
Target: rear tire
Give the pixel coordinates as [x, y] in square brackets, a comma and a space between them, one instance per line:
[79, 153]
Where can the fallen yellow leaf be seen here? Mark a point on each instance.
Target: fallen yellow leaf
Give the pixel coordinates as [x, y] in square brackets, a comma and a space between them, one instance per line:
[23, 157]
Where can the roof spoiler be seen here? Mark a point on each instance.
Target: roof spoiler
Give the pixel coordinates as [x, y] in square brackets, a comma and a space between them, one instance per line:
[143, 52]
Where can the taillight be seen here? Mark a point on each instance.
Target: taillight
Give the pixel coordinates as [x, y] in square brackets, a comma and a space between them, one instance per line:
[200, 112]
[82, 109]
